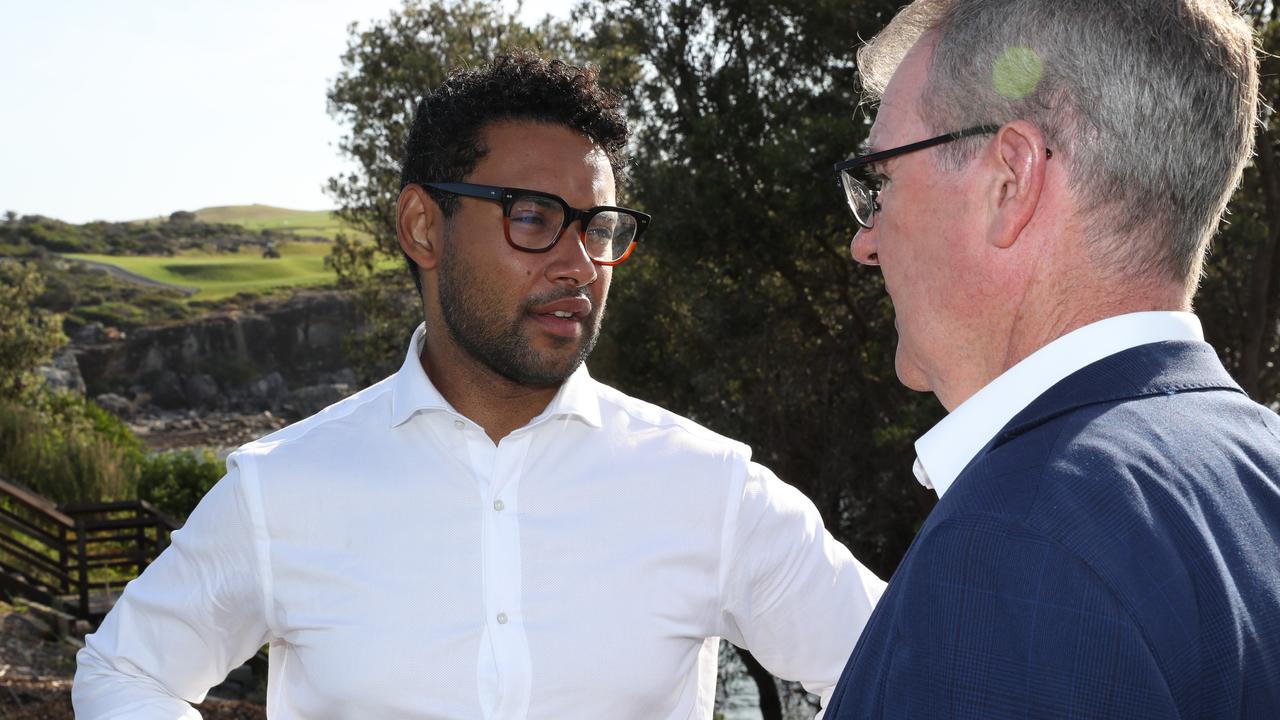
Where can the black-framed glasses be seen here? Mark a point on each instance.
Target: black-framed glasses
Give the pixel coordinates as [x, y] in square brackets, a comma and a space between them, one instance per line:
[533, 221]
[864, 201]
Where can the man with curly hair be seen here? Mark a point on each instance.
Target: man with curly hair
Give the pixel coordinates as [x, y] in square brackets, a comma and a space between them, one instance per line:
[490, 533]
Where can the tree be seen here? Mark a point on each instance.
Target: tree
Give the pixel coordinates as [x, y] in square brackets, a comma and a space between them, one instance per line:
[1239, 300]
[743, 308]
[28, 335]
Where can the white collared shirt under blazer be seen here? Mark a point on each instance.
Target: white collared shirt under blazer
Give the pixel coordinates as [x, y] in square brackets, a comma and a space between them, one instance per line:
[400, 565]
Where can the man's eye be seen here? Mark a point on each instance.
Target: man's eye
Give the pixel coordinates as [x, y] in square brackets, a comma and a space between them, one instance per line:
[534, 212]
[877, 181]
[528, 218]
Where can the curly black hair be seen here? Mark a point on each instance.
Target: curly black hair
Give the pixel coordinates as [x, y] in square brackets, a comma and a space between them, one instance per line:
[445, 142]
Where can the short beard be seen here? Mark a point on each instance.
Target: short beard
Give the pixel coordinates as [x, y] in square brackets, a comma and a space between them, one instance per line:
[469, 320]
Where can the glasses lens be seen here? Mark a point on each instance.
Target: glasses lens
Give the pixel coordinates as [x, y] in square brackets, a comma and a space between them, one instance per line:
[534, 221]
[859, 198]
[609, 234]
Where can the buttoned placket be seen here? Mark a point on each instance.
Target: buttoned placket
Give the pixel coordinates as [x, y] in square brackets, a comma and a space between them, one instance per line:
[503, 670]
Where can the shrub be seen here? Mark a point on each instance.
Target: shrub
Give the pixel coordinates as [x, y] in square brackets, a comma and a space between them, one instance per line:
[175, 480]
[68, 450]
[28, 335]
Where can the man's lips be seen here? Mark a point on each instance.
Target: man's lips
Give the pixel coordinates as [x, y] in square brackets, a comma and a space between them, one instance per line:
[576, 306]
[562, 317]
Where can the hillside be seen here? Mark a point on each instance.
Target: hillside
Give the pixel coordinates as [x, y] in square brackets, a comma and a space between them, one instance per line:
[304, 223]
[215, 275]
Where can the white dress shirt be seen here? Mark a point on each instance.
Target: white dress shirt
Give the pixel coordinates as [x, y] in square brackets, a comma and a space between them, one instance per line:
[944, 451]
[401, 565]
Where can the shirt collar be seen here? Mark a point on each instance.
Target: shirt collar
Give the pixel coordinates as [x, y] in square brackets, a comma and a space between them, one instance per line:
[413, 391]
[944, 451]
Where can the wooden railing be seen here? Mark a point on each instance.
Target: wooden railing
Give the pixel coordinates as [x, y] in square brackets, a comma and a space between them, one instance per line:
[75, 558]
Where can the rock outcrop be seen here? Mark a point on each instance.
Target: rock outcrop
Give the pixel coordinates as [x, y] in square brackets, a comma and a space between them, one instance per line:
[286, 357]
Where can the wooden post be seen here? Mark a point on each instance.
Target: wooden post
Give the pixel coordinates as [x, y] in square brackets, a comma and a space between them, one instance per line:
[140, 541]
[64, 560]
[83, 573]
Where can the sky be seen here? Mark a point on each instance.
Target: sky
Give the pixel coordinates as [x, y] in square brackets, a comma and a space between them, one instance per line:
[131, 109]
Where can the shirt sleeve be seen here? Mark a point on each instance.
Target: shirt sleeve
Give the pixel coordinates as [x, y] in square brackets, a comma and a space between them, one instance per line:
[195, 614]
[793, 596]
[996, 620]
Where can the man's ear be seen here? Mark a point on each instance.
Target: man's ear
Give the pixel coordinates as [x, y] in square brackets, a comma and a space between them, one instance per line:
[1019, 158]
[419, 226]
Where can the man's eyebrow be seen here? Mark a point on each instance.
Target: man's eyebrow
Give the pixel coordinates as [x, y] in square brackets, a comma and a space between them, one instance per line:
[867, 148]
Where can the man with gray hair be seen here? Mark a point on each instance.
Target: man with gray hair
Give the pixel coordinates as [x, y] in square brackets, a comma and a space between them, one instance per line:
[1042, 183]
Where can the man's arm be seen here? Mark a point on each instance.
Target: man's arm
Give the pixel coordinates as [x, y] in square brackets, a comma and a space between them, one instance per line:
[794, 597]
[995, 620]
[196, 613]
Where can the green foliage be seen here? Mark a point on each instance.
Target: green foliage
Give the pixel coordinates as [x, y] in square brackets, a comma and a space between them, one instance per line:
[85, 294]
[67, 449]
[378, 283]
[62, 445]
[81, 415]
[123, 238]
[181, 254]
[745, 310]
[174, 481]
[28, 334]
[1239, 299]
[113, 314]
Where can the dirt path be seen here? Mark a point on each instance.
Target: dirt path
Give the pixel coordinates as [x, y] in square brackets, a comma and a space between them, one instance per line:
[36, 671]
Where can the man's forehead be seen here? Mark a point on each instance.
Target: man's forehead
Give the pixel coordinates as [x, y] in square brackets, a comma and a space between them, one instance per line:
[880, 137]
[548, 157]
[898, 103]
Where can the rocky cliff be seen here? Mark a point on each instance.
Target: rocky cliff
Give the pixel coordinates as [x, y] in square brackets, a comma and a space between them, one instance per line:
[286, 357]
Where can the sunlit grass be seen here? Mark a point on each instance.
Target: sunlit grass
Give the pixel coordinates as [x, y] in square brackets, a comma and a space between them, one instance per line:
[219, 275]
[317, 223]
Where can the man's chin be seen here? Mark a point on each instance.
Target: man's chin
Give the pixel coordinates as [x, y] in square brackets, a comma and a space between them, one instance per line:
[909, 373]
[551, 361]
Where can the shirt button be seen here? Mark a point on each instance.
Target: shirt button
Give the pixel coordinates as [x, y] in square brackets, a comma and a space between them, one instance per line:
[499, 505]
[502, 618]
[459, 424]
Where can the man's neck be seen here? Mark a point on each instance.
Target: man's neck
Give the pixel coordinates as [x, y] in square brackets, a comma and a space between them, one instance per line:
[1039, 321]
[492, 401]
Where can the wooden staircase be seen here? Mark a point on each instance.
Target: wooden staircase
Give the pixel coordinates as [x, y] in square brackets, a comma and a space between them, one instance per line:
[75, 559]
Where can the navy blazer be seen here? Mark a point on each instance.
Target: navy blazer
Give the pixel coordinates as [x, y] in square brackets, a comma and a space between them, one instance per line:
[1114, 552]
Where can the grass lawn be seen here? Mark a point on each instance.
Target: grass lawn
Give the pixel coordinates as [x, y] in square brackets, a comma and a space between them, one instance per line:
[318, 223]
[219, 275]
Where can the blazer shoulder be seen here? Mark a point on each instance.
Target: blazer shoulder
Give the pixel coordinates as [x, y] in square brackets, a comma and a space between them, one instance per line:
[1118, 452]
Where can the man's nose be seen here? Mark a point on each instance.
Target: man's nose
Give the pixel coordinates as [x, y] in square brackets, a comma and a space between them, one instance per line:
[864, 247]
[570, 261]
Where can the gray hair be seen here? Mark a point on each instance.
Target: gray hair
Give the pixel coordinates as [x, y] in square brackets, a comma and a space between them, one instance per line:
[1151, 103]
